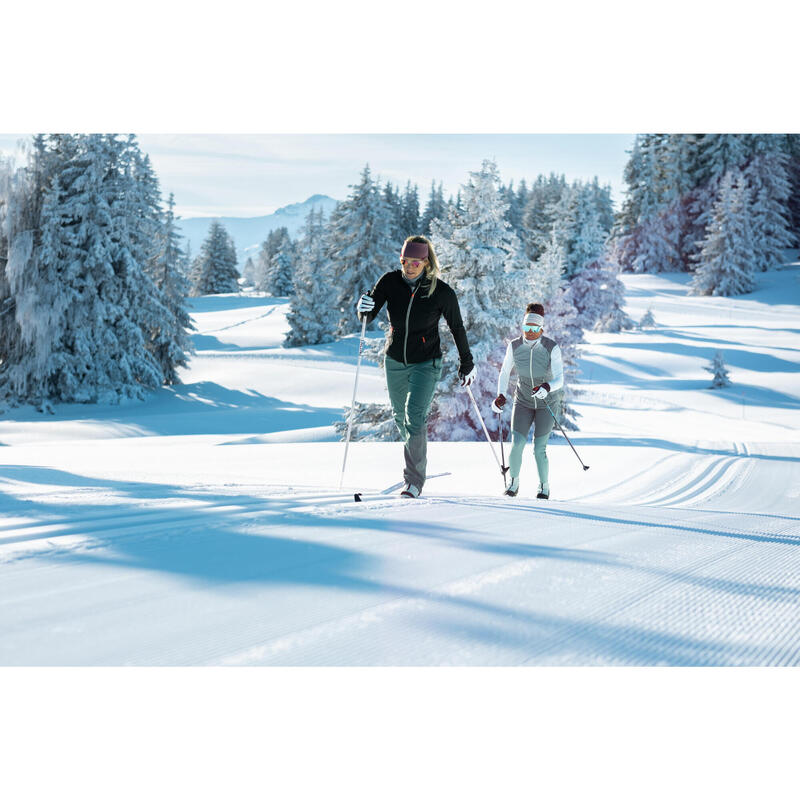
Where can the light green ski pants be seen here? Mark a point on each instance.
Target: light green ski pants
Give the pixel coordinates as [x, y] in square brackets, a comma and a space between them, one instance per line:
[522, 418]
[411, 388]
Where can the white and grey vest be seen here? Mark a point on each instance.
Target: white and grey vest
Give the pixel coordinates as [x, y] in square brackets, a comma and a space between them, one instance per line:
[533, 368]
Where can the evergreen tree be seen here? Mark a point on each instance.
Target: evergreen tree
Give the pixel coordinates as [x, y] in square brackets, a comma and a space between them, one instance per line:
[718, 370]
[767, 178]
[647, 320]
[791, 147]
[361, 247]
[372, 422]
[215, 267]
[172, 344]
[410, 212]
[83, 302]
[249, 272]
[312, 318]
[539, 213]
[599, 295]
[394, 213]
[435, 209]
[281, 266]
[561, 324]
[482, 262]
[727, 258]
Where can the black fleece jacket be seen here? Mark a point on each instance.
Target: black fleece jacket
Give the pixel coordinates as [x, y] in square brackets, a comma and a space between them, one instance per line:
[414, 319]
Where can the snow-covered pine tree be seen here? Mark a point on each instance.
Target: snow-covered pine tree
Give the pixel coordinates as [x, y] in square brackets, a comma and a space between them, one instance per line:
[282, 266]
[718, 370]
[791, 147]
[372, 422]
[76, 298]
[410, 212]
[727, 258]
[539, 213]
[603, 204]
[647, 320]
[436, 208]
[215, 267]
[561, 324]
[715, 154]
[588, 236]
[394, 211]
[151, 236]
[515, 210]
[312, 318]
[263, 271]
[767, 177]
[548, 270]
[658, 230]
[361, 247]
[599, 294]
[482, 261]
[249, 272]
[173, 344]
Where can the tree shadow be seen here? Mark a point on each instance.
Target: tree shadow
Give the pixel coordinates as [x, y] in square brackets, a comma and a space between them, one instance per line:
[234, 542]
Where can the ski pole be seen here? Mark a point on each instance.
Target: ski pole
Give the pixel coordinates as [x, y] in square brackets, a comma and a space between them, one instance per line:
[502, 454]
[353, 402]
[483, 425]
[565, 435]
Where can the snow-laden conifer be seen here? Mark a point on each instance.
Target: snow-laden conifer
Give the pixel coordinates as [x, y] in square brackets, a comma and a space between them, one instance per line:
[410, 216]
[727, 259]
[214, 270]
[599, 294]
[282, 266]
[249, 272]
[85, 307]
[767, 178]
[482, 261]
[361, 247]
[171, 341]
[312, 317]
[372, 422]
[719, 372]
[647, 320]
[436, 208]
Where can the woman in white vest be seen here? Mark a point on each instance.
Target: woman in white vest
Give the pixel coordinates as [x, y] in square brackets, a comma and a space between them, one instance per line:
[540, 386]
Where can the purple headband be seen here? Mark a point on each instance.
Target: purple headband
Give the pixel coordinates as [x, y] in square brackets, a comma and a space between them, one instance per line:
[414, 250]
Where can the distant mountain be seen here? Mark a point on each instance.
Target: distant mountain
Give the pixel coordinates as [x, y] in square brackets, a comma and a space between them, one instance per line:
[249, 232]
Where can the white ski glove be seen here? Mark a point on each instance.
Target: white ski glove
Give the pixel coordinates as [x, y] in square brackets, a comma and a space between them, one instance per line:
[469, 378]
[365, 304]
[541, 392]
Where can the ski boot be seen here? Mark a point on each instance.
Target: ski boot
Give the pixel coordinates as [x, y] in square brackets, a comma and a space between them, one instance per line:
[544, 492]
[513, 488]
[410, 491]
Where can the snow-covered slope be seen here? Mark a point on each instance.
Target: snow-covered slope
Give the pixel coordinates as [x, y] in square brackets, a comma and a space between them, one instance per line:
[206, 526]
[249, 232]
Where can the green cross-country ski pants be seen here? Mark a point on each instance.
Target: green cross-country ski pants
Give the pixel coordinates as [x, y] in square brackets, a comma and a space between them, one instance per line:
[521, 419]
[411, 388]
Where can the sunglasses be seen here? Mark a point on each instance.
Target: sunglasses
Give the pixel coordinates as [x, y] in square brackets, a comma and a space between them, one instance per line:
[408, 262]
[532, 328]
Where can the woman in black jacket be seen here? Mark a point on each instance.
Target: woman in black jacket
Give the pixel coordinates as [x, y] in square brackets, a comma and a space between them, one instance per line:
[416, 298]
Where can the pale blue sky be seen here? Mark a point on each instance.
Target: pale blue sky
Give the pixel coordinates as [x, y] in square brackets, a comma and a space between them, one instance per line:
[254, 174]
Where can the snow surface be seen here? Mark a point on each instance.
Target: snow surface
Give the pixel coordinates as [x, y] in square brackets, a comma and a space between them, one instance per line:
[206, 526]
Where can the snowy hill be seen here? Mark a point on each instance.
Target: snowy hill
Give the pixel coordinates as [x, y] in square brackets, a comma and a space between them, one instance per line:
[249, 232]
[206, 526]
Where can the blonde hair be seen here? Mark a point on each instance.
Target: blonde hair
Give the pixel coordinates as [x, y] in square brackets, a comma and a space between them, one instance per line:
[432, 269]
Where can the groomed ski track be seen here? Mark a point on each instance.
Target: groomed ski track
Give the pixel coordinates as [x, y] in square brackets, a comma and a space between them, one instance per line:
[148, 574]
